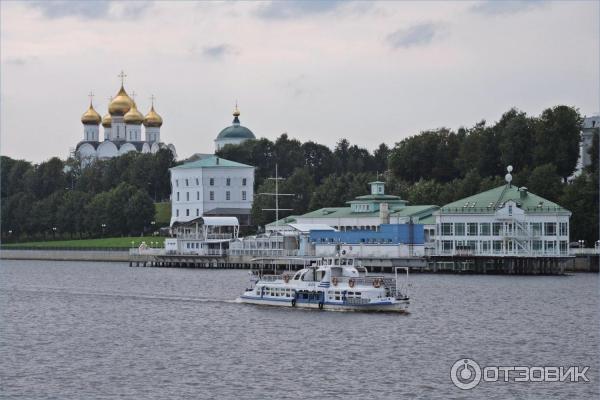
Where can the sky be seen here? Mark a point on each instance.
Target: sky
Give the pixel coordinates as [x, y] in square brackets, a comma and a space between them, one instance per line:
[317, 70]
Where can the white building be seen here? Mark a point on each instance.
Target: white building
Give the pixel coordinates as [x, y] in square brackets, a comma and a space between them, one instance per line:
[211, 186]
[122, 130]
[503, 222]
[233, 134]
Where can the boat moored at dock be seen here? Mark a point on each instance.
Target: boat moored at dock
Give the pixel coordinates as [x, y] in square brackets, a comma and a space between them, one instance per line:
[330, 284]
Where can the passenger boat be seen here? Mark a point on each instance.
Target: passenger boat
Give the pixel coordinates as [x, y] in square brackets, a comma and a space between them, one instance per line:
[330, 284]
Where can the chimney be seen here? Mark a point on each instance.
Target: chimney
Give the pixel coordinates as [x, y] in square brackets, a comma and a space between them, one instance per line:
[384, 213]
[523, 192]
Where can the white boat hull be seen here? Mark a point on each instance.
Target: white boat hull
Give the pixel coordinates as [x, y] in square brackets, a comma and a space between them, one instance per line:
[392, 305]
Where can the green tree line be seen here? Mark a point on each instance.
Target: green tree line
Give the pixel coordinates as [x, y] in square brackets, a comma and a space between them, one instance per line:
[60, 199]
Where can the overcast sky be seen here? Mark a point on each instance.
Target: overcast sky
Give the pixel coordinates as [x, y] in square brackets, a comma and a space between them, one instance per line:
[369, 72]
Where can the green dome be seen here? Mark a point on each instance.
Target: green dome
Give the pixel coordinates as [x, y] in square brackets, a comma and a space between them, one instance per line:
[236, 131]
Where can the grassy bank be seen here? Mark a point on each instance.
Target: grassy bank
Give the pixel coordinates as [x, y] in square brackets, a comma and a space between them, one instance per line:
[113, 243]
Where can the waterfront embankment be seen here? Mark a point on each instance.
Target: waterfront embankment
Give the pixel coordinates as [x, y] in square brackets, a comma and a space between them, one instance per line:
[115, 255]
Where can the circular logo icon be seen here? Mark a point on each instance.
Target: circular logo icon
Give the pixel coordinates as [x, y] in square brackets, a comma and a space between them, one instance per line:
[465, 374]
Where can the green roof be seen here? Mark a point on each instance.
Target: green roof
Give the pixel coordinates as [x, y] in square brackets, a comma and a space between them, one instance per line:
[236, 131]
[376, 197]
[211, 162]
[346, 212]
[493, 199]
[290, 219]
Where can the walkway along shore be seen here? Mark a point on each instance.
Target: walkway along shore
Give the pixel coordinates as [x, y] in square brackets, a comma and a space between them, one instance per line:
[576, 264]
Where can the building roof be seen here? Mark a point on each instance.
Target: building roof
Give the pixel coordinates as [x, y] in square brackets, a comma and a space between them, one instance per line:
[211, 162]
[346, 212]
[489, 201]
[305, 228]
[236, 131]
[376, 197]
[284, 221]
[209, 221]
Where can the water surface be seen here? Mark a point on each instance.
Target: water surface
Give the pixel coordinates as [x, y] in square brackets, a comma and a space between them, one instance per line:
[73, 330]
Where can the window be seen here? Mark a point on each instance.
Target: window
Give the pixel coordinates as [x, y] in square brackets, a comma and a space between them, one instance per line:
[459, 229]
[197, 195]
[446, 228]
[563, 229]
[212, 195]
[187, 196]
[446, 245]
[484, 246]
[177, 182]
[244, 182]
[536, 245]
[484, 229]
[228, 182]
[510, 210]
[187, 212]
[564, 247]
[550, 228]
[187, 182]
[550, 246]
[472, 229]
[177, 196]
[197, 182]
[496, 228]
[536, 228]
[497, 246]
[243, 195]
[197, 212]
[177, 212]
[228, 195]
[212, 181]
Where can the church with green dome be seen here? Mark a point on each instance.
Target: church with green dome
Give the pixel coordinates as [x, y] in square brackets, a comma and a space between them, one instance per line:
[233, 134]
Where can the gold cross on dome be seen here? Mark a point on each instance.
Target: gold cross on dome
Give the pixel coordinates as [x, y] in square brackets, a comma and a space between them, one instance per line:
[152, 99]
[133, 94]
[91, 95]
[122, 76]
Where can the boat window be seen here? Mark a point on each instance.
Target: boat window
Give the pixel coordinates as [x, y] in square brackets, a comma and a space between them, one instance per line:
[337, 262]
[357, 293]
[350, 262]
[350, 293]
[297, 276]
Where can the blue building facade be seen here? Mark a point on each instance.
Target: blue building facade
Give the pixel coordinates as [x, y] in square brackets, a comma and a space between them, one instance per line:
[412, 234]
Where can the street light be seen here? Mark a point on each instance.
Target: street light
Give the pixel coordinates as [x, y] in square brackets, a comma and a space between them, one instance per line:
[103, 228]
[54, 233]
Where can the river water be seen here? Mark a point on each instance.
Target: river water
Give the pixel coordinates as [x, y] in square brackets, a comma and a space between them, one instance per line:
[103, 330]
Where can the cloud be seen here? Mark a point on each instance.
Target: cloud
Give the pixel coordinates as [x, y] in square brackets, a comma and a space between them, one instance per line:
[61, 8]
[297, 8]
[218, 51]
[505, 7]
[89, 9]
[416, 35]
[20, 61]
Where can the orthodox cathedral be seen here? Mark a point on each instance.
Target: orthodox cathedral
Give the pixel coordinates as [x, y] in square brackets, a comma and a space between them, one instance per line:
[122, 130]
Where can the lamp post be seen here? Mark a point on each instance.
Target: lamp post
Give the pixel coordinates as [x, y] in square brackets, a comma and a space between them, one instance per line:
[103, 228]
[152, 223]
[53, 233]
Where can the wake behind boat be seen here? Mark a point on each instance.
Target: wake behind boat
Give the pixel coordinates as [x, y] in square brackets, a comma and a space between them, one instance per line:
[331, 284]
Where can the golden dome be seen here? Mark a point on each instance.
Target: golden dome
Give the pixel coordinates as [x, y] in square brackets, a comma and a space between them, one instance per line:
[91, 117]
[107, 121]
[152, 119]
[121, 104]
[133, 116]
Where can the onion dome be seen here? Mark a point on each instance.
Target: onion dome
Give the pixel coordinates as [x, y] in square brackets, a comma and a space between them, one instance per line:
[152, 119]
[121, 104]
[91, 117]
[133, 116]
[236, 131]
[107, 121]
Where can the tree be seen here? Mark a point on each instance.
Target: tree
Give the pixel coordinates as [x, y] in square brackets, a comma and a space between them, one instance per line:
[380, 158]
[545, 181]
[557, 139]
[581, 198]
[516, 134]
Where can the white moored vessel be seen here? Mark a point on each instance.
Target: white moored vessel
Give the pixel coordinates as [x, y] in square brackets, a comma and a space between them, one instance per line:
[331, 284]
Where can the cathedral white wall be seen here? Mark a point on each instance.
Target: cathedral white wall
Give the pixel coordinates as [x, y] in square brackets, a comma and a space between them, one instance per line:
[118, 128]
[146, 148]
[191, 190]
[107, 149]
[87, 153]
[133, 133]
[152, 134]
[126, 148]
[91, 133]
[107, 133]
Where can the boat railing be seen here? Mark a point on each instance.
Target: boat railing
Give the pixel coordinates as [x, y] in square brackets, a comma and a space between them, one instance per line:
[271, 278]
